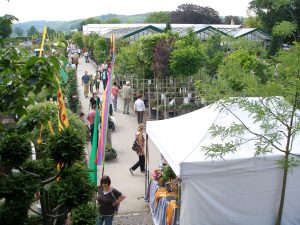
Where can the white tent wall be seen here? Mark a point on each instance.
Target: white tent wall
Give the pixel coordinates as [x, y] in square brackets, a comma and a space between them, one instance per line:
[223, 193]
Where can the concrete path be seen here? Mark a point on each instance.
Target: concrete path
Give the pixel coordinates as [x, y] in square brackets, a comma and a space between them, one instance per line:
[122, 139]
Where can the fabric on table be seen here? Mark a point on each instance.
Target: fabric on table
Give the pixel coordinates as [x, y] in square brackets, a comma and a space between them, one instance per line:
[170, 211]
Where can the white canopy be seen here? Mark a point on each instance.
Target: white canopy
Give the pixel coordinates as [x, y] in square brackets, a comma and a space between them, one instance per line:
[238, 190]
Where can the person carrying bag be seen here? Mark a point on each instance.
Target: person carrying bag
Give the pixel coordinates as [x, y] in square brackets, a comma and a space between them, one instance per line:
[108, 200]
[139, 146]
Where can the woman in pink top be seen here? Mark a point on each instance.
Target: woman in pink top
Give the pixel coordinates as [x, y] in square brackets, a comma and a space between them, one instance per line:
[91, 119]
[140, 140]
[115, 91]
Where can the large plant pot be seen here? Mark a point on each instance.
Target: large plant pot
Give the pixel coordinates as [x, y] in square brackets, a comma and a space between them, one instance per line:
[172, 114]
[154, 114]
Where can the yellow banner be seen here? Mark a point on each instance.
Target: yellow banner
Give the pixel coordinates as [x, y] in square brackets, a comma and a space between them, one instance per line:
[63, 118]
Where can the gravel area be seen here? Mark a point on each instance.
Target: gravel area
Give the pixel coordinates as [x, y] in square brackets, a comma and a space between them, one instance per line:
[141, 218]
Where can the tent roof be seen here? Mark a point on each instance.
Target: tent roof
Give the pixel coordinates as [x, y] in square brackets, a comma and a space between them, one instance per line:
[180, 139]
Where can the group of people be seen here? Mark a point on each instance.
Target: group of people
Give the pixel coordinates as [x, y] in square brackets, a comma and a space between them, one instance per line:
[89, 81]
[109, 198]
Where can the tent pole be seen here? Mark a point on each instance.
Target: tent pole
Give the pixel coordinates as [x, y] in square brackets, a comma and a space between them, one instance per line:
[147, 165]
[179, 201]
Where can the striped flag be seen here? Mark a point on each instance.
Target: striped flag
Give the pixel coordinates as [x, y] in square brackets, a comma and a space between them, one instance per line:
[92, 165]
[105, 112]
[104, 117]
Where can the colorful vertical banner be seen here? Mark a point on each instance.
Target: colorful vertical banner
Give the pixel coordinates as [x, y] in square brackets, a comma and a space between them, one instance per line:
[62, 113]
[92, 165]
[105, 111]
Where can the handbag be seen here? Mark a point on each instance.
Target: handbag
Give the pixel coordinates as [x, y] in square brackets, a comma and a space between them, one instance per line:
[135, 146]
[116, 207]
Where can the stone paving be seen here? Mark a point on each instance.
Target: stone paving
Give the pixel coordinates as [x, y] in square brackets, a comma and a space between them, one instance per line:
[133, 209]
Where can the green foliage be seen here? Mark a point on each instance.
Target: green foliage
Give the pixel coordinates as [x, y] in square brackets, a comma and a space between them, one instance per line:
[43, 112]
[100, 49]
[73, 189]
[18, 191]
[285, 29]
[15, 149]
[66, 146]
[6, 22]
[158, 17]
[187, 56]
[185, 61]
[214, 54]
[77, 38]
[272, 12]
[113, 20]
[19, 31]
[145, 47]
[32, 31]
[127, 61]
[34, 220]
[84, 214]
[277, 117]
[71, 91]
[92, 20]
[45, 168]
[251, 22]
[168, 174]
[21, 75]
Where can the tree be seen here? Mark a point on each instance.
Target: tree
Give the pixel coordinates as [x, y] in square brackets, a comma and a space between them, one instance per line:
[92, 20]
[236, 20]
[214, 55]
[127, 61]
[51, 32]
[19, 31]
[113, 20]
[194, 14]
[251, 22]
[277, 117]
[77, 38]
[21, 78]
[158, 17]
[161, 58]
[6, 26]
[187, 56]
[273, 12]
[32, 31]
[100, 49]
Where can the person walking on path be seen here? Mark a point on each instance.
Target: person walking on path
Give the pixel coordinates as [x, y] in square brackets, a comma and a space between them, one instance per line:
[139, 137]
[91, 82]
[86, 56]
[91, 119]
[115, 91]
[93, 101]
[85, 82]
[126, 95]
[97, 80]
[139, 108]
[108, 199]
[104, 74]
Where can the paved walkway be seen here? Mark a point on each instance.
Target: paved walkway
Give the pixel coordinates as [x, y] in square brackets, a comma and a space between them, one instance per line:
[118, 169]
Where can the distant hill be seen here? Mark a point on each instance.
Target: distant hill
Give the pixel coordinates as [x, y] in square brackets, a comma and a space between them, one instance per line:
[70, 25]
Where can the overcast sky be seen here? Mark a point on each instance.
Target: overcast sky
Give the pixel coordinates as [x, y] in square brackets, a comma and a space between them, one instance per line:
[27, 10]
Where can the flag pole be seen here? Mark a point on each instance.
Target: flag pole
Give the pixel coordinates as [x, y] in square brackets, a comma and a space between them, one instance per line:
[92, 165]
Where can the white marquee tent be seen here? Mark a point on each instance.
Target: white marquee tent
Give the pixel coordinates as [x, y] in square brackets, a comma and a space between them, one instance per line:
[239, 190]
